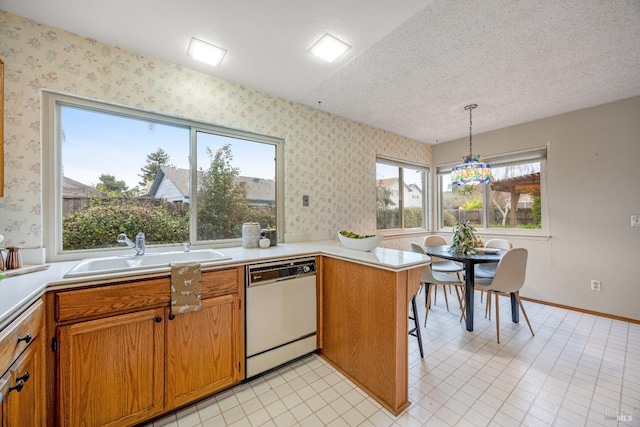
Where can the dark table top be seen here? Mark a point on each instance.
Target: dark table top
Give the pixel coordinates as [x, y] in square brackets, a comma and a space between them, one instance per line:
[480, 257]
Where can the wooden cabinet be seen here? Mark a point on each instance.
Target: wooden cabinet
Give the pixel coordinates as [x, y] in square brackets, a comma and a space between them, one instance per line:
[111, 370]
[22, 363]
[365, 327]
[23, 403]
[201, 360]
[122, 358]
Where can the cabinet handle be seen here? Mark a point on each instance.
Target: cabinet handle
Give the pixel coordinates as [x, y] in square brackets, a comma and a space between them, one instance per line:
[172, 316]
[158, 319]
[17, 388]
[24, 377]
[27, 338]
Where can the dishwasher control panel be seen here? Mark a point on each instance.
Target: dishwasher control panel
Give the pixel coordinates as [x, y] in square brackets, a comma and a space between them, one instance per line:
[258, 274]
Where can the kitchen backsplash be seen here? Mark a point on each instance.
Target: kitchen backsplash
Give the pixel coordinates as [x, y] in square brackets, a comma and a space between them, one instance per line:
[329, 158]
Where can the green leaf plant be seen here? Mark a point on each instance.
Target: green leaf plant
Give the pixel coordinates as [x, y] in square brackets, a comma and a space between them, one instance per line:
[464, 238]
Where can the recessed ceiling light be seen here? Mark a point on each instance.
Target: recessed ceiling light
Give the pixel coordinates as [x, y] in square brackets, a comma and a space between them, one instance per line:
[329, 48]
[205, 52]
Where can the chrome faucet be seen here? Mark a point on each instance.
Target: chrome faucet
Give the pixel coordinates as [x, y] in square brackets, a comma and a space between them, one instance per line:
[138, 246]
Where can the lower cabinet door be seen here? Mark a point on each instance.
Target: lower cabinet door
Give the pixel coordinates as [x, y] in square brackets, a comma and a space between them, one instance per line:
[111, 370]
[5, 382]
[23, 396]
[204, 350]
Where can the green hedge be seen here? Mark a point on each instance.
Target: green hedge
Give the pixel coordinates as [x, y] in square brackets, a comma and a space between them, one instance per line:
[390, 218]
[98, 225]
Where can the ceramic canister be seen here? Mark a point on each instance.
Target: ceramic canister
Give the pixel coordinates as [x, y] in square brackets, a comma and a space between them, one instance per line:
[14, 258]
[250, 235]
[271, 234]
[264, 242]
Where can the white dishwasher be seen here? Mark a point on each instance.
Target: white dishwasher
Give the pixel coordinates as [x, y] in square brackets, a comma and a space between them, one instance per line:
[281, 318]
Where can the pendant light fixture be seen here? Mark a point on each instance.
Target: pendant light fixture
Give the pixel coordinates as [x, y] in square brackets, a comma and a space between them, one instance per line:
[471, 171]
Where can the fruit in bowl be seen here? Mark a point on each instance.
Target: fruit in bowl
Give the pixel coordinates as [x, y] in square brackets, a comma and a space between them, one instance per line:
[359, 242]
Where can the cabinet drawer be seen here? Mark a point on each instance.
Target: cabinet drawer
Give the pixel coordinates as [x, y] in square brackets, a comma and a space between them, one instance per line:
[28, 323]
[222, 282]
[111, 299]
[125, 297]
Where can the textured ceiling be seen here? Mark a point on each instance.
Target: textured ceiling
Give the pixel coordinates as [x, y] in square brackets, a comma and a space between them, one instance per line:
[414, 64]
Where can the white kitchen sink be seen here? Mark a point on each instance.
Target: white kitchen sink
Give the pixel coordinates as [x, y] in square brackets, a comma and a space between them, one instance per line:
[119, 264]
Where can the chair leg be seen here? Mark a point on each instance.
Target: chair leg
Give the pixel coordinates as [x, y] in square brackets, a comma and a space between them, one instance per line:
[497, 317]
[462, 306]
[524, 312]
[444, 291]
[486, 306]
[460, 296]
[428, 304]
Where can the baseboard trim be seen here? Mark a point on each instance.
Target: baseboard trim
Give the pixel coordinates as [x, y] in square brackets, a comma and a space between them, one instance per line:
[582, 310]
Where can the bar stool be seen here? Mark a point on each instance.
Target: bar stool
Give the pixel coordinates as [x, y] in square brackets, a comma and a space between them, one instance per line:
[415, 331]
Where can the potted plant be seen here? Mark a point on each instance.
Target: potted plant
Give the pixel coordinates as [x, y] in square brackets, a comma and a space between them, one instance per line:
[464, 238]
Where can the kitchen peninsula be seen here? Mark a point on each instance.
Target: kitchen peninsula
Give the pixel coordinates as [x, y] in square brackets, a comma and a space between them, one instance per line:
[362, 311]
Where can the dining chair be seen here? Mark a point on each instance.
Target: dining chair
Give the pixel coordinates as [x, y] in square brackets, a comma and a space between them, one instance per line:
[437, 278]
[442, 265]
[509, 279]
[489, 269]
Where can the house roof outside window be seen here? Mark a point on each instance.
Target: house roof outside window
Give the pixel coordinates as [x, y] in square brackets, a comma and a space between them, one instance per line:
[173, 184]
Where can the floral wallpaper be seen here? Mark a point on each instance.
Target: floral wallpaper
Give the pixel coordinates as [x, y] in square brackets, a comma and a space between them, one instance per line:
[329, 158]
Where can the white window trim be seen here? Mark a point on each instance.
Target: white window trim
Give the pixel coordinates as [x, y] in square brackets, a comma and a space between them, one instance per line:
[52, 183]
[530, 155]
[426, 220]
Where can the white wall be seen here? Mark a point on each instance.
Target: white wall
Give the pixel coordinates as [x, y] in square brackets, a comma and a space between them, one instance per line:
[592, 189]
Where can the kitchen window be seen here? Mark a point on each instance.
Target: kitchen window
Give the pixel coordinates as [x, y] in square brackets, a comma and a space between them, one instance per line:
[513, 202]
[114, 170]
[400, 195]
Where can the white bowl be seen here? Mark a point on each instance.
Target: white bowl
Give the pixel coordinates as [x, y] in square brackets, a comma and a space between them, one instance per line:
[367, 244]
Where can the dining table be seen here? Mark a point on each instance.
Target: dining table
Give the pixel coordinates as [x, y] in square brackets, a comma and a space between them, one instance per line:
[469, 261]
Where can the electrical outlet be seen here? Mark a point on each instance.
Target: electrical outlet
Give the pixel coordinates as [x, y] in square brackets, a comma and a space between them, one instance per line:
[635, 220]
[595, 285]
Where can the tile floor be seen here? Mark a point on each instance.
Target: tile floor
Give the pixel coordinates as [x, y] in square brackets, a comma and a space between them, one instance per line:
[579, 370]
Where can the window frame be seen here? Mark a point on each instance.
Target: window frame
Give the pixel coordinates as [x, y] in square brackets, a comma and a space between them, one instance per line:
[52, 178]
[539, 154]
[426, 176]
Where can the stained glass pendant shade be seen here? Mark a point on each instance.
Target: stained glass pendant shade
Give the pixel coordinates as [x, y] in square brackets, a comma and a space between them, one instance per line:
[472, 170]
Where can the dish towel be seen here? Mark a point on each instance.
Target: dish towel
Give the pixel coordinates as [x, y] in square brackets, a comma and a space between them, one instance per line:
[185, 288]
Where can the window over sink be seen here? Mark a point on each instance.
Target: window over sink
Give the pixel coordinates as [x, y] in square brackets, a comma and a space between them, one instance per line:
[111, 169]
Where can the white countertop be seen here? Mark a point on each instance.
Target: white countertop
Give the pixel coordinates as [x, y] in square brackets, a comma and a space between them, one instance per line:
[19, 291]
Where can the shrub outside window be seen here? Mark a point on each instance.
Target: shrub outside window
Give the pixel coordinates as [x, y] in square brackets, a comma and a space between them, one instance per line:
[513, 199]
[118, 170]
[396, 208]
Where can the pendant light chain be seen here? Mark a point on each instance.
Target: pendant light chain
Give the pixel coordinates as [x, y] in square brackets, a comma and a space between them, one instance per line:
[472, 170]
[470, 108]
